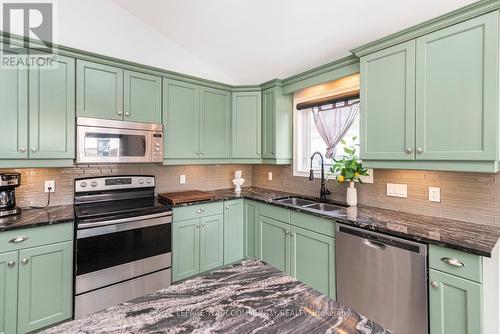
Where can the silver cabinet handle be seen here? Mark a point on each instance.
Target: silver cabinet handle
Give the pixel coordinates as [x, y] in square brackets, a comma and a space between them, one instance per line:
[286, 232]
[434, 284]
[202, 153]
[127, 113]
[274, 153]
[258, 152]
[227, 207]
[197, 153]
[119, 112]
[22, 149]
[292, 234]
[200, 210]
[420, 150]
[11, 264]
[409, 150]
[197, 225]
[452, 262]
[18, 239]
[25, 261]
[33, 149]
[203, 224]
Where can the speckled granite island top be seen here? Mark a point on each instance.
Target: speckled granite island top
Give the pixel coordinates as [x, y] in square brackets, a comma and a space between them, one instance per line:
[470, 237]
[251, 297]
[38, 217]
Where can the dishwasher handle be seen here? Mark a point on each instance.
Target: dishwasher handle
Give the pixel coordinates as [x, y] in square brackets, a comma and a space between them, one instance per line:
[374, 244]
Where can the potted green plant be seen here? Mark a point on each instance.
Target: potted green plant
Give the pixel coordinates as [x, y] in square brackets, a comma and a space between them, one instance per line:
[349, 169]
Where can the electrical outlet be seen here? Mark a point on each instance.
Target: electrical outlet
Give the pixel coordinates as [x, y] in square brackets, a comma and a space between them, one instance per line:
[434, 194]
[182, 179]
[269, 176]
[369, 178]
[50, 184]
[397, 190]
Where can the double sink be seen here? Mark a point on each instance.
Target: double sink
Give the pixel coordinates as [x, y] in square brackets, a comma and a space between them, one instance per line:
[309, 204]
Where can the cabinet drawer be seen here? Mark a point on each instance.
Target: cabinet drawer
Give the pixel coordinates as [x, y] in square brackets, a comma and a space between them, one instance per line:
[274, 212]
[197, 211]
[313, 223]
[443, 259]
[35, 236]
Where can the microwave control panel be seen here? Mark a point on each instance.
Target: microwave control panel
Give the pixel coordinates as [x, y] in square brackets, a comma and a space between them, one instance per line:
[157, 149]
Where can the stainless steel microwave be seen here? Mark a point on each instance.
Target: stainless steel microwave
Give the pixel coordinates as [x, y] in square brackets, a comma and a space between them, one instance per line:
[109, 141]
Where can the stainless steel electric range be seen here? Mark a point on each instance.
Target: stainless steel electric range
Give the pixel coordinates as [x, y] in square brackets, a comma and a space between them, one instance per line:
[123, 241]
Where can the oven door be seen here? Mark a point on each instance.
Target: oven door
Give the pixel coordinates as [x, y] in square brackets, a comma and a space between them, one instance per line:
[109, 252]
[113, 145]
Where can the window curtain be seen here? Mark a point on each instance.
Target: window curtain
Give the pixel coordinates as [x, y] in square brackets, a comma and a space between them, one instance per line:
[333, 122]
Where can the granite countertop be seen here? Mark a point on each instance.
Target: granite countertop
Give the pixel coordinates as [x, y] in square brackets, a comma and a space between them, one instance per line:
[250, 297]
[38, 217]
[475, 238]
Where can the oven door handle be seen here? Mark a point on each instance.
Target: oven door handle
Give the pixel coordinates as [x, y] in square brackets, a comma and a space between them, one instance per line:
[86, 230]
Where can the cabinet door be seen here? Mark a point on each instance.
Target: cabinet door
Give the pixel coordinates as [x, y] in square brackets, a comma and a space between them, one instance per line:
[13, 111]
[181, 120]
[234, 231]
[387, 92]
[268, 123]
[52, 111]
[251, 216]
[8, 292]
[185, 249]
[454, 304]
[99, 90]
[246, 125]
[211, 242]
[45, 286]
[274, 243]
[312, 260]
[457, 91]
[215, 123]
[142, 97]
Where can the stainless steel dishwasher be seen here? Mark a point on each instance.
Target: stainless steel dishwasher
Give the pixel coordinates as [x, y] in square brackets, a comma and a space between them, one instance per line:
[382, 277]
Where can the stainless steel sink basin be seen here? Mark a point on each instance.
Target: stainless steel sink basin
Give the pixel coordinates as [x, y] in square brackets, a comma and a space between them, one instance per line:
[296, 201]
[322, 207]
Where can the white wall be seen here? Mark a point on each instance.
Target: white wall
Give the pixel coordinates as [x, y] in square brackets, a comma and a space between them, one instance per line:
[102, 27]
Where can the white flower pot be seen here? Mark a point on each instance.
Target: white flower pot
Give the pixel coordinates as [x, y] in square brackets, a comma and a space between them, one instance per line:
[352, 195]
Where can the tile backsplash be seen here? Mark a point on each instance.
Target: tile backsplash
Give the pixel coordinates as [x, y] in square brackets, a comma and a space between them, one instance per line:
[31, 191]
[464, 196]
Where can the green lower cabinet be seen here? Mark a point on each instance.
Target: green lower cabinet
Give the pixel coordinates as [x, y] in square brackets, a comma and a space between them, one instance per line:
[45, 286]
[312, 260]
[186, 249]
[8, 292]
[211, 242]
[250, 219]
[455, 304]
[274, 243]
[234, 231]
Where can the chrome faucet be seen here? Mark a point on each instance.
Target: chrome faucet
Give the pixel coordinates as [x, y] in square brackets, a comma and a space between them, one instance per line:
[323, 191]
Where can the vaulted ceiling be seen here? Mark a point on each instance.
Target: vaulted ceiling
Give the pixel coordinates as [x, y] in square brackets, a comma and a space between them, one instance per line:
[251, 41]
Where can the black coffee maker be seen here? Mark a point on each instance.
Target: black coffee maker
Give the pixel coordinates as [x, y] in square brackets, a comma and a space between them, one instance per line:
[8, 184]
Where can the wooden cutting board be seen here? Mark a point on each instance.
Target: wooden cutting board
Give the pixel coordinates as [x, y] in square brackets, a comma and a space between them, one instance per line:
[186, 196]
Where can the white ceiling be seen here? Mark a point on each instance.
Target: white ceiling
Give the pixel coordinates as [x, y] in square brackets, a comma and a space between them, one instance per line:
[252, 41]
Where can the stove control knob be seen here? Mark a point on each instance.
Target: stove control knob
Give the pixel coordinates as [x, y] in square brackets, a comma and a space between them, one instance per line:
[93, 184]
[83, 184]
[141, 181]
[148, 181]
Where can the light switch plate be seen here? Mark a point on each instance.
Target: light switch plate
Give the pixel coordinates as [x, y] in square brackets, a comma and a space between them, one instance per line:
[434, 194]
[369, 178]
[50, 184]
[397, 190]
[269, 176]
[182, 179]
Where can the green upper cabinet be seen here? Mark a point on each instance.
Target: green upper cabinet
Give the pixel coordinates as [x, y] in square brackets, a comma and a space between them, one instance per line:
[142, 97]
[14, 111]
[99, 90]
[211, 242]
[277, 114]
[274, 243]
[8, 292]
[185, 248]
[246, 125]
[312, 260]
[215, 123]
[457, 91]
[454, 304]
[181, 119]
[45, 285]
[234, 231]
[52, 111]
[387, 93]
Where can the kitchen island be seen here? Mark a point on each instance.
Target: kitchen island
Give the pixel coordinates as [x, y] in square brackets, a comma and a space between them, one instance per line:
[248, 297]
